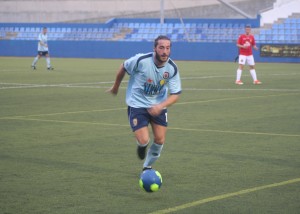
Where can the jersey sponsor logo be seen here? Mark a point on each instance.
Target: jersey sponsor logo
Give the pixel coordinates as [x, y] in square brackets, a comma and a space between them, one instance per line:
[150, 88]
[247, 40]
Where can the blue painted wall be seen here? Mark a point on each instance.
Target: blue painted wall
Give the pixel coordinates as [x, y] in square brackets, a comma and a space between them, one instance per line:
[122, 50]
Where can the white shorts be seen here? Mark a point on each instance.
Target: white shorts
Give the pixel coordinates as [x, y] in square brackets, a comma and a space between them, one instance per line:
[249, 59]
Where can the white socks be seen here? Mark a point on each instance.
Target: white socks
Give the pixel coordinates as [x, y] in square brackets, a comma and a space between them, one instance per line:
[253, 74]
[238, 74]
[48, 62]
[35, 61]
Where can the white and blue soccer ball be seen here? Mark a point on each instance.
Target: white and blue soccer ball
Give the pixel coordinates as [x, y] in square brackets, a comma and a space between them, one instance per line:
[150, 180]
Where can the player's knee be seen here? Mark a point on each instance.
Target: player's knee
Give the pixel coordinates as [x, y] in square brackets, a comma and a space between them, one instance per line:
[143, 140]
[160, 140]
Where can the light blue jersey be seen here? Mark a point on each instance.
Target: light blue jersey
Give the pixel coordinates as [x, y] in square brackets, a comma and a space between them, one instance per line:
[148, 85]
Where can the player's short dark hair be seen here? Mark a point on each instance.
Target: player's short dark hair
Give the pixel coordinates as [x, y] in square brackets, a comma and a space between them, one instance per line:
[161, 37]
[44, 28]
[248, 26]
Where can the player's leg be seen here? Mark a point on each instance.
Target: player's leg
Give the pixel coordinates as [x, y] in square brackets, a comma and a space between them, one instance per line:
[240, 70]
[139, 120]
[251, 63]
[142, 138]
[48, 61]
[35, 60]
[155, 149]
[159, 127]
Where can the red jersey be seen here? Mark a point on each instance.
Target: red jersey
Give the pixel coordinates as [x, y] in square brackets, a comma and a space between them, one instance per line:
[246, 40]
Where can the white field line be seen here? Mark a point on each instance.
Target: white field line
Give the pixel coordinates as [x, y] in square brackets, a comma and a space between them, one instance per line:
[92, 84]
[88, 83]
[225, 76]
[200, 202]
[48, 86]
[106, 87]
[241, 89]
[63, 85]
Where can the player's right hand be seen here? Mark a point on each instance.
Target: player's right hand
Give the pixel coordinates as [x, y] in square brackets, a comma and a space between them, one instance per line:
[246, 45]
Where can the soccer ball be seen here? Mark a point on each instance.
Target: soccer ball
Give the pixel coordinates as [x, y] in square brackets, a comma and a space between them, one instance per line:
[150, 180]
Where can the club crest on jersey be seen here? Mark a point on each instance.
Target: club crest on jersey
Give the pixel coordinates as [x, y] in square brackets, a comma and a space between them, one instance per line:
[166, 75]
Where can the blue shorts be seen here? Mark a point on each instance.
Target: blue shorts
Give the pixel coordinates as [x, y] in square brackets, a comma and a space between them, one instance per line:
[140, 117]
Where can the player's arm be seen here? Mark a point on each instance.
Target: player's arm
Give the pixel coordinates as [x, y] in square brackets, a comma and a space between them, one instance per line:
[41, 41]
[119, 77]
[43, 44]
[240, 46]
[156, 109]
[254, 45]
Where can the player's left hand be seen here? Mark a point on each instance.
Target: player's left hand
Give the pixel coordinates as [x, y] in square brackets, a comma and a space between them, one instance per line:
[113, 90]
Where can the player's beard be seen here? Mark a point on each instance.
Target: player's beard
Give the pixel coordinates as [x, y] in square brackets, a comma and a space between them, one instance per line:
[159, 58]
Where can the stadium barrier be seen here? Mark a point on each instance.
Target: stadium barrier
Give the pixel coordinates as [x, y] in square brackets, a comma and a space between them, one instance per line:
[105, 47]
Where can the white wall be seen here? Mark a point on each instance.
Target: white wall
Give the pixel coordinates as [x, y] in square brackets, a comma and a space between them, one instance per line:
[281, 9]
[70, 10]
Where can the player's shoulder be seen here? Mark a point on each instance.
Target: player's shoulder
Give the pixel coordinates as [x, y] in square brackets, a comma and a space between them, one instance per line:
[172, 64]
[137, 59]
[41, 35]
[141, 56]
[145, 57]
[173, 67]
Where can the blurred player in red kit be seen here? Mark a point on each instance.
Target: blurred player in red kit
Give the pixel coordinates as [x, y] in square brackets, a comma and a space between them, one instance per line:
[245, 43]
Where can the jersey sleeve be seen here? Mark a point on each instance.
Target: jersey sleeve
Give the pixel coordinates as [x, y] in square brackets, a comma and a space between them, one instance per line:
[130, 64]
[40, 37]
[175, 84]
[253, 41]
[239, 40]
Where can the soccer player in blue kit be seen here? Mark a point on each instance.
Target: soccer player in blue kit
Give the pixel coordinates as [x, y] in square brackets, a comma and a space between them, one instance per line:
[154, 85]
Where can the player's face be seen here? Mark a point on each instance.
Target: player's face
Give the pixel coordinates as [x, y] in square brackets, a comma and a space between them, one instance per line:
[162, 51]
[247, 30]
[44, 30]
